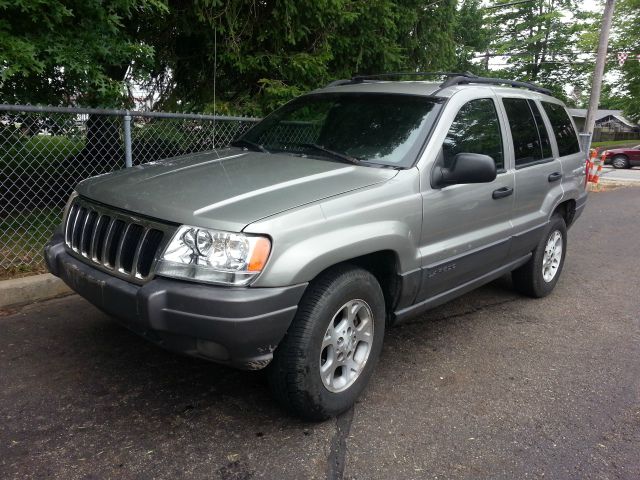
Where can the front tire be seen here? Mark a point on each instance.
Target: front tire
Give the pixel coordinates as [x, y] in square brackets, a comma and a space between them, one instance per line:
[538, 277]
[330, 350]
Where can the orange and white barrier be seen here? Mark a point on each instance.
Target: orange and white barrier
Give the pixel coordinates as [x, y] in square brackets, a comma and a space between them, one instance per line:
[594, 167]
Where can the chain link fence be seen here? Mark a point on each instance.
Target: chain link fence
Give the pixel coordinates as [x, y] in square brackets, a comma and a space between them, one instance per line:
[46, 151]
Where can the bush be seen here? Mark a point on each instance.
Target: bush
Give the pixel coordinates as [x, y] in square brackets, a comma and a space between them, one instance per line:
[40, 154]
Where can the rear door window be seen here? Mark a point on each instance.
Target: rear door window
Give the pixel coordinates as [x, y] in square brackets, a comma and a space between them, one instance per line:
[566, 137]
[545, 143]
[527, 143]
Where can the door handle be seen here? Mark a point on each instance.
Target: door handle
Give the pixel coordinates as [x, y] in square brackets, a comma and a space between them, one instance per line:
[554, 177]
[502, 192]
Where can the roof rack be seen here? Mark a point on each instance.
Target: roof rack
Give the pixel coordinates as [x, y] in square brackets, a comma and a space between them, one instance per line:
[378, 76]
[462, 79]
[453, 78]
[362, 78]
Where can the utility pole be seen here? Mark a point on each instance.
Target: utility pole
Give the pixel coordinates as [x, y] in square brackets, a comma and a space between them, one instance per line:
[596, 83]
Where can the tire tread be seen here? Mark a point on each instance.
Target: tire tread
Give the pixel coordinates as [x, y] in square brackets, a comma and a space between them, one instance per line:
[527, 279]
[287, 370]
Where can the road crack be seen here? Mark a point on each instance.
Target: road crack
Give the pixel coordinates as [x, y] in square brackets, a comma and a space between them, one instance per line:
[336, 462]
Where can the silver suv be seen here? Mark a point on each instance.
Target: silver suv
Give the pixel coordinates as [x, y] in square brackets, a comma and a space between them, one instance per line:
[350, 209]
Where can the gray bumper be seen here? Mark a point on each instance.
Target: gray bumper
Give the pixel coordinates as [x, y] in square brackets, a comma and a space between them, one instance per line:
[237, 326]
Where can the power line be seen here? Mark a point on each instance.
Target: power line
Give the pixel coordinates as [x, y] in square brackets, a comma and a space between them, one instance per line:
[549, 62]
[491, 7]
[526, 54]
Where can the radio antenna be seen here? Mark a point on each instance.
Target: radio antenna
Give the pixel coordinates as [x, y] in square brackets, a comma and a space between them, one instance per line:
[215, 66]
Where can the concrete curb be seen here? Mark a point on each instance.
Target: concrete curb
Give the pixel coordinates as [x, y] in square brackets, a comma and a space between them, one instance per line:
[630, 181]
[31, 289]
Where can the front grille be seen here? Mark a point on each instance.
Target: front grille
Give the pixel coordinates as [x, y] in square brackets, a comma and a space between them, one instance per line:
[118, 242]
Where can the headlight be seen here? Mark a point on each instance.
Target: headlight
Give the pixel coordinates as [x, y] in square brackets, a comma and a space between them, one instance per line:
[212, 256]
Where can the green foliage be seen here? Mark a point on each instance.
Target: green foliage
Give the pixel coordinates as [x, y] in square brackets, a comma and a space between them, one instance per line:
[25, 234]
[539, 37]
[248, 57]
[626, 89]
[269, 52]
[431, 40]
[471, 36]
[39, 153]
[63, 52]
[616, 143]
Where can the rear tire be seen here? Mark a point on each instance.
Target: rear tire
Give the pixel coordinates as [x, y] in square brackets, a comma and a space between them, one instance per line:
[620, 161]
[538, 277]
[330, 350]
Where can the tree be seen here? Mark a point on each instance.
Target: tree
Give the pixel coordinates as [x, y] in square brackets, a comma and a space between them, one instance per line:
[74, 51]
[538, 38]
[471, 35]
[626, 32]
[431, 39]
[268, 52]
[231, 56]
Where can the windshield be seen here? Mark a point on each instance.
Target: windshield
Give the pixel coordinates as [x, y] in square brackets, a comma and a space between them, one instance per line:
[386, 129]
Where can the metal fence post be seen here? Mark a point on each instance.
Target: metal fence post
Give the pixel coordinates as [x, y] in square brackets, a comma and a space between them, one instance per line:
[44, 152]
[128, 163]
[585, 140]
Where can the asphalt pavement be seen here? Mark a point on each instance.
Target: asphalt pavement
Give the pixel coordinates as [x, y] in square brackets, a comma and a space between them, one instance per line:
[492, 385]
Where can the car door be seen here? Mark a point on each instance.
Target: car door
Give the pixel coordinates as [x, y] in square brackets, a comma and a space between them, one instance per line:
[466, 227]
[567, 149]
[538, 174]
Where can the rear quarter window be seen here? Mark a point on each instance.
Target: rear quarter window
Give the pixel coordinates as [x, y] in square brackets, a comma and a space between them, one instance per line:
[563, 130]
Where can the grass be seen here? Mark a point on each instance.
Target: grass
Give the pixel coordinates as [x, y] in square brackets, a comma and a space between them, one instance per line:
[616, 144]
[24, 234]
[22, 238]
[40, 153]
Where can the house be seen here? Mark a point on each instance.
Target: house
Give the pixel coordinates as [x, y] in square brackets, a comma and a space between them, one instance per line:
[607, 121]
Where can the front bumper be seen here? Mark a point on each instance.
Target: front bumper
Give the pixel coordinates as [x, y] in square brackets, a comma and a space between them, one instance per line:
[236, 326]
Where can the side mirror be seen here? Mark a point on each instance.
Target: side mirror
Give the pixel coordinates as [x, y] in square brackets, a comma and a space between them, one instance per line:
[466, 168]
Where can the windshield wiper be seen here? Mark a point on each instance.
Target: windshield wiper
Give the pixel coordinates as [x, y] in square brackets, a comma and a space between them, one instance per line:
[242, 142]
[340, 156]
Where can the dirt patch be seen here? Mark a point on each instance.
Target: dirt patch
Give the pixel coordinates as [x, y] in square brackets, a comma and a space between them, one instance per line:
[22, 271]
[607, 186]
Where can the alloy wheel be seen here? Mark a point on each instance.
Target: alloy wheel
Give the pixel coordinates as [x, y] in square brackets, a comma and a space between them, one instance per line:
[346, 345]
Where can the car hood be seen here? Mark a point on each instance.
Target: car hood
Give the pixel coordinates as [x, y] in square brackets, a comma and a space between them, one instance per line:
[227, 189]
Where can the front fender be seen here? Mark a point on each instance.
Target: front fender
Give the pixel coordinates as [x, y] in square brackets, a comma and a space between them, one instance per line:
[303, 261]
[314, 237]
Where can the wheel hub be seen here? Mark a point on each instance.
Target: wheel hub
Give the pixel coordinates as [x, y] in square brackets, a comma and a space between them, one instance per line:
[346, 345]
[552, 256]
[619, 162]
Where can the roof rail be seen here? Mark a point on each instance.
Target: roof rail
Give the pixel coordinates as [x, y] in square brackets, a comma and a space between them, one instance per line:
[453, 78]
[362, 78]
[377, 76]
[337, 83]
[462, 79]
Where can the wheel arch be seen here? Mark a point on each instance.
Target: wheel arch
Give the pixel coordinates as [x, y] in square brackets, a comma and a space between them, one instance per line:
[567, 210]
[384, 265]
